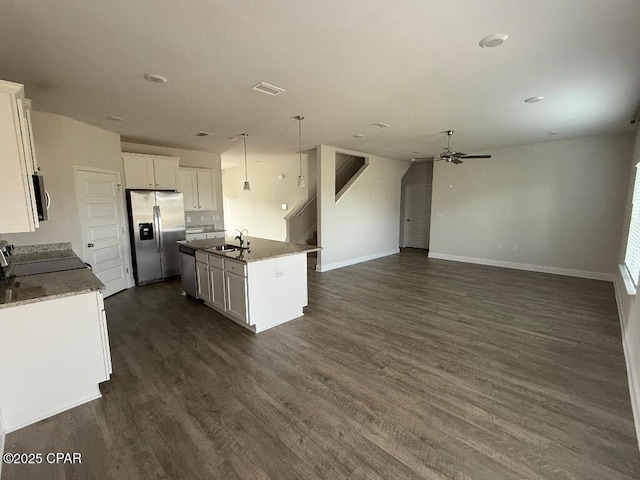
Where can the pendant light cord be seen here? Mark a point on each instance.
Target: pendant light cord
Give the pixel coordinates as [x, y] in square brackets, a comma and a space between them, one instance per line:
[244, 139]
[300, 141]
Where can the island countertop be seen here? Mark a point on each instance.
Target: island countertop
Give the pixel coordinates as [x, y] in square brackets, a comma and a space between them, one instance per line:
[259, 248]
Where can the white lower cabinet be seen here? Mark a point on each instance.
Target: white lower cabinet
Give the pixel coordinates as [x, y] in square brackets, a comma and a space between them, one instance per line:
[236, 287]
[217, 282]
[257, 295]
[204, 286]
[53, 355]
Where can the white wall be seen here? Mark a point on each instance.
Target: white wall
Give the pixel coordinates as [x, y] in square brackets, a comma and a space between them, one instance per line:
[559, 203]
[364, 223]
[259, 210]
[191, 158]
[629, 305]
[60, 143]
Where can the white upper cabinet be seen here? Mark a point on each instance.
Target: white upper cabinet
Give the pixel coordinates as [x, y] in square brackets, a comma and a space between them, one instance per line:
[188, 188]
[17, 162]
[150, 172]
[206, 194]
[196, 185]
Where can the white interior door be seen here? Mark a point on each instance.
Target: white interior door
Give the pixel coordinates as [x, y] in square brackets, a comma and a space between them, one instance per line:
[417, 216]
[102, 222]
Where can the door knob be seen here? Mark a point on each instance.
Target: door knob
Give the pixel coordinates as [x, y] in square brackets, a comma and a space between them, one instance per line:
[89, 245]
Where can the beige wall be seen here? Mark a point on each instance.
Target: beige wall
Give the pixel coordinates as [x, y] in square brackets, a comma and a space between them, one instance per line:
[61, 143]
[364, 223]
[259, 210]
[191, 158]
[629, 305]
[560, 203]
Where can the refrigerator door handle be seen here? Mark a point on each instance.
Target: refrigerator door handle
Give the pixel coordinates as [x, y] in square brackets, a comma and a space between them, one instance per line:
[160, 232]
[156, 225]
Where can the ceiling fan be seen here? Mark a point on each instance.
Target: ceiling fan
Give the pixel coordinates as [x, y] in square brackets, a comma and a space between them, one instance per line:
[449, 155]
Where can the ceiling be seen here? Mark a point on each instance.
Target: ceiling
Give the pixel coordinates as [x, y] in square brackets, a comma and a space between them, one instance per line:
[413, 64]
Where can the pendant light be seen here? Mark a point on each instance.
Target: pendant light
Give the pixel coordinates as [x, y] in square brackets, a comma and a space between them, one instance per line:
[246, 180]
[301, 183]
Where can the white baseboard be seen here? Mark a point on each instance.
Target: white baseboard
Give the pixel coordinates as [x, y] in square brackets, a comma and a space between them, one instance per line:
[525, 266]
[353, 261]
[54, 412]
[632, 373]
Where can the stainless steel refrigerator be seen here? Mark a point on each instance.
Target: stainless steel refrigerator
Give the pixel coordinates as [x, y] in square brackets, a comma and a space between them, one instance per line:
[156, 223]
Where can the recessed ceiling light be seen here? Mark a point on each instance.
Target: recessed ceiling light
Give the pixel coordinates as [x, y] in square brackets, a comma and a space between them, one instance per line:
[533, 99]
[358, 135]
[155, 78]
[380, 125]
[494, 40]
[202, 134]
[114, 118]
[553, 132]
[267, 88]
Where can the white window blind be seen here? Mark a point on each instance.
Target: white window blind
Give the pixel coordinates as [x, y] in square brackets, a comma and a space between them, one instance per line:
[632, 255]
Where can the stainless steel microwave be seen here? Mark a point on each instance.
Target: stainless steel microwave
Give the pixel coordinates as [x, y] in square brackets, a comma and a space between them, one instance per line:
[42, 198]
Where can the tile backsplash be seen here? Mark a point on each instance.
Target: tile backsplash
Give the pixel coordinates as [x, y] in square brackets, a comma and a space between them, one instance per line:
[202, 218]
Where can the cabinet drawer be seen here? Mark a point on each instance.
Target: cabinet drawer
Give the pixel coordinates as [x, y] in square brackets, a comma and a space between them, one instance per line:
[201, 257]
[216, 261]
[236, 267]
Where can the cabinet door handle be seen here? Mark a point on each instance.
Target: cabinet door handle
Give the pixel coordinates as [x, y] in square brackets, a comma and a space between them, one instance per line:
[89, 245]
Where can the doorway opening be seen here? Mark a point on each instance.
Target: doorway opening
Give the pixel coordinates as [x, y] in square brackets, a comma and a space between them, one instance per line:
[415, 206]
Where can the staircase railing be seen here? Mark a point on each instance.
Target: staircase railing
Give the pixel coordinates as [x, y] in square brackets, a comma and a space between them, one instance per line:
[302, 221]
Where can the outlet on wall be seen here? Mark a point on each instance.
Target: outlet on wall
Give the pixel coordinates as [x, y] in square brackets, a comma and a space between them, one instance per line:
[514, 248]
[215, 217]
[279, 273]
[202, 218]
[188, 219]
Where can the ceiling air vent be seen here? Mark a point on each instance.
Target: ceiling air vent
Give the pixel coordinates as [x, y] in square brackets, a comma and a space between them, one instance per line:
[380, 125]
[267, 88]
[202, 134]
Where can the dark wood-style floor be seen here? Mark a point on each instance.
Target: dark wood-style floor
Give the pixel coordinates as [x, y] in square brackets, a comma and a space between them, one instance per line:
[402, 368]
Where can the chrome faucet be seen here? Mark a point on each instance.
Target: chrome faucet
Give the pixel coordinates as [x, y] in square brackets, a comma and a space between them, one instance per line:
[241, 237]
[5, 252]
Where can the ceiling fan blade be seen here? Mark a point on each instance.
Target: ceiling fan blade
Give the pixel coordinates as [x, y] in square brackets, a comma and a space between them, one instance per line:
[476, 156]
[422, 160]
[456, 161]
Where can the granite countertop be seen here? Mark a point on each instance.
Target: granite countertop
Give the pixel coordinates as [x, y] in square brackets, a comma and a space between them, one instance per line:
[260, 248]
[15, 291]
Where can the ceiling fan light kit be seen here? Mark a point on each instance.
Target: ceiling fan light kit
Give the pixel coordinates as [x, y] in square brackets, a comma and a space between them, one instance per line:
[449, 155]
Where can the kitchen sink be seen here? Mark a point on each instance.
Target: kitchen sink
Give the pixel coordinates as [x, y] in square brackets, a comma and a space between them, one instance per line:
[227, 247]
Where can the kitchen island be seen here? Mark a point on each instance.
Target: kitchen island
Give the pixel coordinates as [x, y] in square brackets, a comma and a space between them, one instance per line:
[259, 287]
